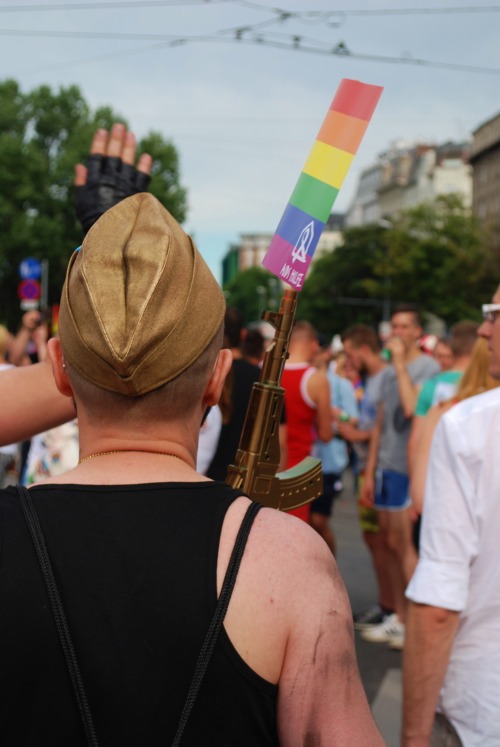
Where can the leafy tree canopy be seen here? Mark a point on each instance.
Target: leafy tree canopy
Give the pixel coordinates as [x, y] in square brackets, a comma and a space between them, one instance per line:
[434, 255]
[43, 134]
[252, 291]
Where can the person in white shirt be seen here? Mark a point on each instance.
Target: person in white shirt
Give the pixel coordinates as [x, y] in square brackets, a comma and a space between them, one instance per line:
[451, 670]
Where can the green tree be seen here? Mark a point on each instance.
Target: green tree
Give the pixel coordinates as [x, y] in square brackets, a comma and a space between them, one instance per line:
[341, 287]
[43, 134]
[252, 291]
[165, 174]
[440, 259]
[434, 255]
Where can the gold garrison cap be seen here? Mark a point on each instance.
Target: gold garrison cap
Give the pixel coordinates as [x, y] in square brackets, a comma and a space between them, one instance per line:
[139, 304]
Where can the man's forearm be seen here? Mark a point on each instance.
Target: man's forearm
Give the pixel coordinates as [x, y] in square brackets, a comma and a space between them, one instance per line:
[352, 433]
[357, 436]
[413, 442]
[408, 392]
[429, 636]
[372, 458]
[19, 345]
[30, 403]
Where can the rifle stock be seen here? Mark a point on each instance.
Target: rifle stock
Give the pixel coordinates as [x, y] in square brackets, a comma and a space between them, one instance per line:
[257, 460]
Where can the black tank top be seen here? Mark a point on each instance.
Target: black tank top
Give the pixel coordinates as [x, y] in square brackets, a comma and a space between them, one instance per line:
[244, 375]
[136, 568]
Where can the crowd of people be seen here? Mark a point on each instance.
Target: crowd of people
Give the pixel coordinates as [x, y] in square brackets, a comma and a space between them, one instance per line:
[189, 615]
[408, 439]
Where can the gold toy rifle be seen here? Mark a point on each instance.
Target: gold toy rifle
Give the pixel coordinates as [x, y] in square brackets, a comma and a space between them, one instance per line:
[298, 232]
[258, 456]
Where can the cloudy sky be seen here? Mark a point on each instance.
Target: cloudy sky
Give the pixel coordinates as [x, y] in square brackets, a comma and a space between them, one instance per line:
[244, 113]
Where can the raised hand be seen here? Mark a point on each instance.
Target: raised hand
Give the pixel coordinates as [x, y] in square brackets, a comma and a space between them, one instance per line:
[111, 174]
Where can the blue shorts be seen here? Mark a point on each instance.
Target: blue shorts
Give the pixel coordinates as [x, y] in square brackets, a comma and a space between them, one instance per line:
[391, 491]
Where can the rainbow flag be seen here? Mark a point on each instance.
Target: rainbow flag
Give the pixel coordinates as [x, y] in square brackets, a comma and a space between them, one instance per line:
[292, 247]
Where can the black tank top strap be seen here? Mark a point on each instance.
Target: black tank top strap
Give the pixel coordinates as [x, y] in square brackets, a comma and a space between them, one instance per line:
[218, 618]
[60, 619]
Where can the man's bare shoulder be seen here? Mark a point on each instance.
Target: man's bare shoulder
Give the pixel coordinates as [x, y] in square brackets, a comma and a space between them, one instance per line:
[321, 698]
[301, 560]
[287, 580]
[292, 623]
[318, 378]
[291, 552]
[285, 533]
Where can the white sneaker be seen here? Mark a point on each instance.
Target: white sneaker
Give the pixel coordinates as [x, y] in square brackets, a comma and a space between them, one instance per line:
[388, 631]
[397, 643]
[372, 616]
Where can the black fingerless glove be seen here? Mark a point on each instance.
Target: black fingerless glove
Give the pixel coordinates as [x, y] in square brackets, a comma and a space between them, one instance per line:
[109, 181]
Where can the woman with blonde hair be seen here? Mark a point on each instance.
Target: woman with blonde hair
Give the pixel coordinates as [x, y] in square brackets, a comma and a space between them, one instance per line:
[475, 380]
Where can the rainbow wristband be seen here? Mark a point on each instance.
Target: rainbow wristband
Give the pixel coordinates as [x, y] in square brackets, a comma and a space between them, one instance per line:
[292, 247]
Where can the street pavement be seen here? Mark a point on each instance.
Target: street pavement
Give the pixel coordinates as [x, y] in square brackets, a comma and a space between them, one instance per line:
[380, 667]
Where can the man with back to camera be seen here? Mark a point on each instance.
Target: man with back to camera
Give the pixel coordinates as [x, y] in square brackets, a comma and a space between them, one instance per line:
[451, 666]
[140, 542]
[307, 402]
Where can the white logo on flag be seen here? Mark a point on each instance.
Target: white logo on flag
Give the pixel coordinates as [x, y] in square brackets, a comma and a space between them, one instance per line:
[304, 241]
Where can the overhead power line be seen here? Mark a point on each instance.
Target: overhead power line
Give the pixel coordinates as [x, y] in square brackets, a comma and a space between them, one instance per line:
[98, 35]
[250, 33]
[293, 43]
[298, 15]
[108, 5]
[439, 10]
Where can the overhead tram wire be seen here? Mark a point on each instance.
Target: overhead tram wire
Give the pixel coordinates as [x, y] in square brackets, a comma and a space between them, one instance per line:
[294, 43]
[95, 58]
[308, 15]
[323, 14]
[120, 5]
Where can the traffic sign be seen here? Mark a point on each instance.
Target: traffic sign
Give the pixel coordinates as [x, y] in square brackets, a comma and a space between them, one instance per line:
[30, 269]
[29, 290]
[29, 305]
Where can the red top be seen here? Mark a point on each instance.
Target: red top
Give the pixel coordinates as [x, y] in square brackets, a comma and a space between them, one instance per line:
[300, 413]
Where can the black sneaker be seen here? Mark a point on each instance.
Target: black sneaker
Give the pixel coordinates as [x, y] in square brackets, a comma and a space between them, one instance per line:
[373, 616]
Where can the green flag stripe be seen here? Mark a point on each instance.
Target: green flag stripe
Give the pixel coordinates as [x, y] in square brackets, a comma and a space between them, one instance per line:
[314, 197]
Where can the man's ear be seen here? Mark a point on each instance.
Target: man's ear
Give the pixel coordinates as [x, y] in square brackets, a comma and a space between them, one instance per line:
[55, 355]
[215, 385]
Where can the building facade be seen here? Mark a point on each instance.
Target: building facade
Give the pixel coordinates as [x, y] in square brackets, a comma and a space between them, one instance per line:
[250, 251]
[408, 175]
[485, 159]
